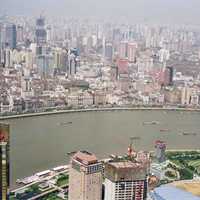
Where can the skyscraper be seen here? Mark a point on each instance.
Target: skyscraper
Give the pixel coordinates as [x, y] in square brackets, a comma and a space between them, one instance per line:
[40, 32]
[45, 63]
[132, 51]
[73, 61]
[4, 161]
[85, 177]
[125, 180]
[1, 35]
[7, 57]
[11, 36]
[61, 59]
[72, 64]
[109, 51]
[168, 76]
[123, 49]
[20, 33]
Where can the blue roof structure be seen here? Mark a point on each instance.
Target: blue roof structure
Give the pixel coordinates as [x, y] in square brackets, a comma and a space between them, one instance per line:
[169, 192]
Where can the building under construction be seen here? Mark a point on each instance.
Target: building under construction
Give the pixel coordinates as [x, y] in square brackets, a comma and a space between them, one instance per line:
[125, 180]
[126, 177]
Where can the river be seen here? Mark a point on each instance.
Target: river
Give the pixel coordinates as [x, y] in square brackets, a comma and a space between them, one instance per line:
[42, 142]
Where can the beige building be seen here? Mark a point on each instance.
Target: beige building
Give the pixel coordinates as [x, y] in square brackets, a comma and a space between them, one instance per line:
[186, 95]
[85, 177]
[126, 180]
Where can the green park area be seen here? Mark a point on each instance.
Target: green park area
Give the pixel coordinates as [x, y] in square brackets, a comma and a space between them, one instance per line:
[196, 165]
[187, 163]
[31, 191]
[62, 180]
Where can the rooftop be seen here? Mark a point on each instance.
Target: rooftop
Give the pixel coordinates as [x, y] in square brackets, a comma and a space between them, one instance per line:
[125, 170]
[125, 164]
[85, 157]
[168, 192]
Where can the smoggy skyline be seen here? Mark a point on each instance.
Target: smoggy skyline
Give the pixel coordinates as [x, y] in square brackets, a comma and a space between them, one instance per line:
[166, 11]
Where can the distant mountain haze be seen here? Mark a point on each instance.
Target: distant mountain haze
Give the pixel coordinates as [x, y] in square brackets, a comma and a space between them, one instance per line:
[167, 11]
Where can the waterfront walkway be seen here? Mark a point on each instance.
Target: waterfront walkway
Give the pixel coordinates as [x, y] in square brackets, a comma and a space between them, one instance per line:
[98, 110]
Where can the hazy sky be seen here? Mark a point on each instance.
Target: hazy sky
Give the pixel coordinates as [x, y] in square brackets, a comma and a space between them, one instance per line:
[178, 11]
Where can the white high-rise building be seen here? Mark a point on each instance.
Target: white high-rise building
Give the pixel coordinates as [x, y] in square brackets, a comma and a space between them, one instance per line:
[125, 180]
[132, 47]
[85, 177]
[8, 57]
[164, 55]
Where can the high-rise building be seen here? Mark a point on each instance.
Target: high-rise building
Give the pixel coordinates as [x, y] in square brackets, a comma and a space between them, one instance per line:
[164, 55]
[4, 161]
[145, 64]
[85, 177]
[1, 35]
[11, 36]
[116, 34]
[74, 61]
[49, 34]
[109, 51]
[20, 33]
[125, 179]
[160, 147]
[168, 76]
[44, 64]
[7, 57]
[29, 59]
[61, 59]
[40, 32]
[123, 47]
[132, 47]
[186, 93]
[122, 65]
[72, 65]
[1, 56]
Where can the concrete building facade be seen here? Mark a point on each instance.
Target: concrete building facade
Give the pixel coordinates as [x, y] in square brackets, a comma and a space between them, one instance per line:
[85, 177]
[125, 180]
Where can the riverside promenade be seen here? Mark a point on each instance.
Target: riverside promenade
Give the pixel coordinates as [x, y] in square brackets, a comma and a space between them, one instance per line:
[100, 110]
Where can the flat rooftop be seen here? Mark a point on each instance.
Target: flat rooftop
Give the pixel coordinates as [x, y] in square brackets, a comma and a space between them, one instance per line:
[85, 157]
[125, 170]
[126, 164]
[168, 192]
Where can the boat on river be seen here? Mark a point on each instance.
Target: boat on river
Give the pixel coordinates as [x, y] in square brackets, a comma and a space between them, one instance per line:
[151, 123]
[189, 134]
[64, 123]
[164, 130]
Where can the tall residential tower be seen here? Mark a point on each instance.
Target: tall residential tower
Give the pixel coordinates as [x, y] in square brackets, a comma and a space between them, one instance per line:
[85, 177]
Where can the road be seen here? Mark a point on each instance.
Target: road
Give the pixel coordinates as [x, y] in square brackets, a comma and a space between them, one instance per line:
[40, 180]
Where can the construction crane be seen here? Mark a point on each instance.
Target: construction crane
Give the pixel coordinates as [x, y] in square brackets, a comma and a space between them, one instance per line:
[130, 148]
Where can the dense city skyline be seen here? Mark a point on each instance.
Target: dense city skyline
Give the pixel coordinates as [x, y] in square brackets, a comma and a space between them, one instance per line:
[66, 66]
